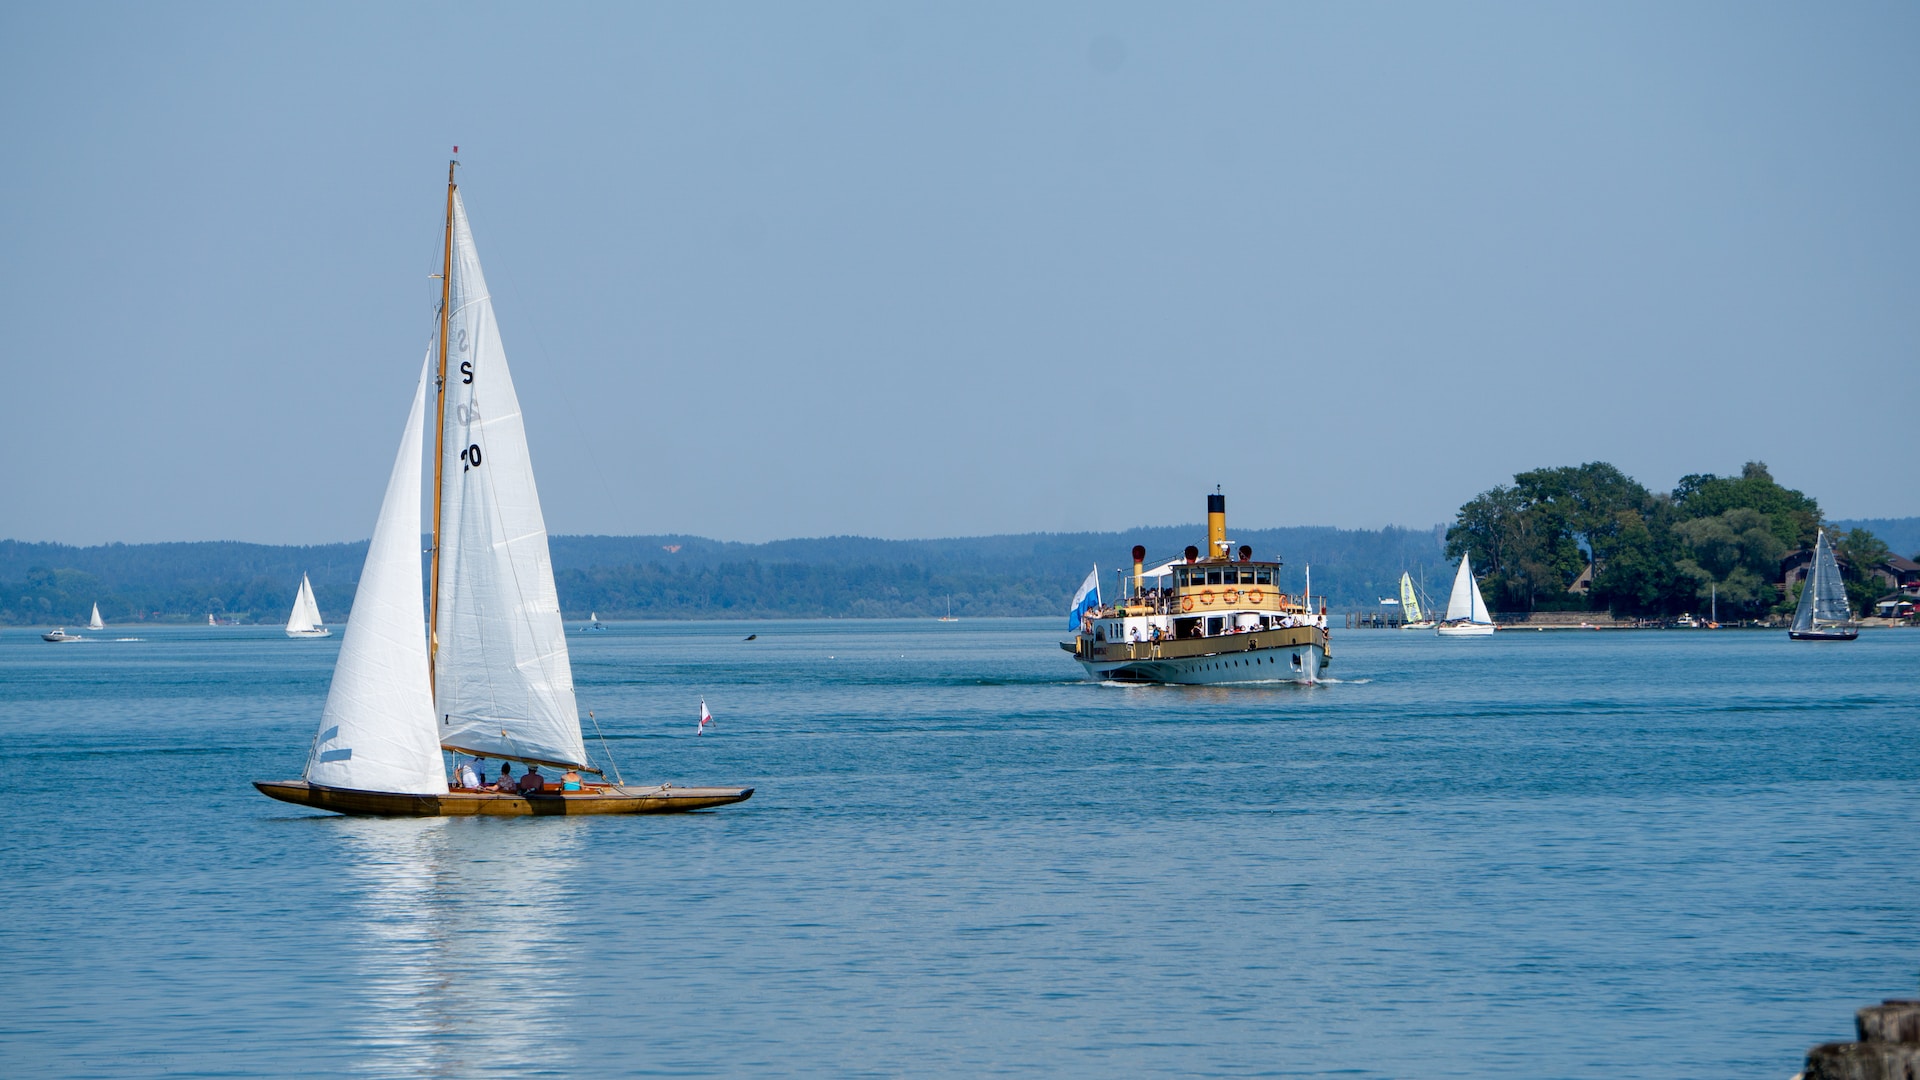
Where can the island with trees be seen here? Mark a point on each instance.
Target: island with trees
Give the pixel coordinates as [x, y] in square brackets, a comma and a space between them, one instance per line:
[1591, 538]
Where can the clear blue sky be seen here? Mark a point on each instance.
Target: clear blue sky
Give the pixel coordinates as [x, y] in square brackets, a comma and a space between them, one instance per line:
[782, 269]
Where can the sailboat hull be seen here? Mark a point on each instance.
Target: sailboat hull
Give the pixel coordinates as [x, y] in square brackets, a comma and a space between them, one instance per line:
[1465, 630]
[1834, 634]
[320, 632]
[613, 799]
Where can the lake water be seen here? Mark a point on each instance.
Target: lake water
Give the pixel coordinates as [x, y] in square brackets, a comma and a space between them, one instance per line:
[1542, 855]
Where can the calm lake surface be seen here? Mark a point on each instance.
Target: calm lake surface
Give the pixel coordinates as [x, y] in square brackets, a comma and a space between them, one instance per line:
[1572, 854]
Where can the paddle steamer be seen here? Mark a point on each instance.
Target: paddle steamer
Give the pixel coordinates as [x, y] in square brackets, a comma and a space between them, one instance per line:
[1207, 617]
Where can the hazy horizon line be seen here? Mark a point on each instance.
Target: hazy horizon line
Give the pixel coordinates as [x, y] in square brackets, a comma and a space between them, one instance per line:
[1199, 526]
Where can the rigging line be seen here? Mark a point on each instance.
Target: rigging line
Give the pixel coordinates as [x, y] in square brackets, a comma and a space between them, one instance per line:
[609, 750]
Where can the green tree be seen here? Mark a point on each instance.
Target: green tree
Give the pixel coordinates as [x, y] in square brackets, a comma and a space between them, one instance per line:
[1734, 555]
[1643, 576]
[1792, 517]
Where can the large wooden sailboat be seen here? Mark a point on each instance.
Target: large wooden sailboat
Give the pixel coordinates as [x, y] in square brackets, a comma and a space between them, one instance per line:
[1823, 613]
[1208, 619]
[485, 670]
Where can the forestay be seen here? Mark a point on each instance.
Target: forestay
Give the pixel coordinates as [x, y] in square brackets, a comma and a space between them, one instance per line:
[377, 731]
[504, 685]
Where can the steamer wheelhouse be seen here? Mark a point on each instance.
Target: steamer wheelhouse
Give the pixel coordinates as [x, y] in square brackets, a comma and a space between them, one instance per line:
[1207, 617]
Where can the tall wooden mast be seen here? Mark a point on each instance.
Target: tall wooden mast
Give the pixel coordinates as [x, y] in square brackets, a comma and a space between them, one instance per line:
[440, 445]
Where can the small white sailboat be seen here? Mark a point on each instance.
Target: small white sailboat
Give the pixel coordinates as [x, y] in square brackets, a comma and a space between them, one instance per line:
[948, 617]
[1467, 614]
[1823, 613]
[593, 622]
[1410, 606]
[484, 669]
[95, 623]
[305, 620]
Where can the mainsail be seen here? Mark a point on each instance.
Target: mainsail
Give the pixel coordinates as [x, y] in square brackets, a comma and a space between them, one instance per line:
[1466, 603]
[1823, 599]
[1409, 603]
[377, 731]
[306, 613]
[95, 623]
[503, 685]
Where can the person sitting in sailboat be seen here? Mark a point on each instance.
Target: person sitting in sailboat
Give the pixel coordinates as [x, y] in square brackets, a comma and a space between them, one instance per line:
[531, 780]
[467, 774]
[505, 783]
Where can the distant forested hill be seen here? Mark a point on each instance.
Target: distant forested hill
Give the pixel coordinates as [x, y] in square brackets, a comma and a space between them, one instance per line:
[693, 577]
[1901, 535]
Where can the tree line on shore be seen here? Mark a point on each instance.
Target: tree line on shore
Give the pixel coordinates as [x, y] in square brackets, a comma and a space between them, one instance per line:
[1590, 537]
[1658, 553]
[689, 577]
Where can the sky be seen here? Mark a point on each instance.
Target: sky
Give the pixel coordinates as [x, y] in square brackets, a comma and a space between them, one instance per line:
[777, 270]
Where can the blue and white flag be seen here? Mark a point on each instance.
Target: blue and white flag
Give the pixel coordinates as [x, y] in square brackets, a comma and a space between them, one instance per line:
[1085, 600]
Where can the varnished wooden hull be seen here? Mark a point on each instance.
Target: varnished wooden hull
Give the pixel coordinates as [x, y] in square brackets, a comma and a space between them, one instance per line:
[664, 799]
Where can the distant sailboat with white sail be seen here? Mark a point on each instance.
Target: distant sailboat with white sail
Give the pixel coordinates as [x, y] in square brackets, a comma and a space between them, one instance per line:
[484, 670]
[1823, 613]
[95, 623]
[1467, 614]
[305, 619]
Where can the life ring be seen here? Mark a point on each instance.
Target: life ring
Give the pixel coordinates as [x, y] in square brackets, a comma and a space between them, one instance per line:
[1206, 596]
[1254, 596]
[1186, 603]
[1230, 596]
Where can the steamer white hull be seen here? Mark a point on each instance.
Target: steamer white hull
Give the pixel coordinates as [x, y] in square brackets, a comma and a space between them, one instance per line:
[1296, 664]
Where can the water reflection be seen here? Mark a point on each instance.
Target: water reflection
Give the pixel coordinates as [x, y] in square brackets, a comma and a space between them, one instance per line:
[454, 940]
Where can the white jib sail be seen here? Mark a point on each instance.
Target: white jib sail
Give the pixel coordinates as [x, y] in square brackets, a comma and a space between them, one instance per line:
[1465, 602]
[95, 623]
[504, 681]
[306, 613]
[377, 731]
